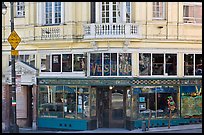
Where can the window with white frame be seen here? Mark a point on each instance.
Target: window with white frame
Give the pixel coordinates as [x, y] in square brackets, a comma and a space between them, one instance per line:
[110, 64]
[20, 9]
[159, 10]
[115, 12]
[62, 62]
[27, 58]
[52, 13]
[128, 11]
[157, 64]
[192, 12]
[192, 64]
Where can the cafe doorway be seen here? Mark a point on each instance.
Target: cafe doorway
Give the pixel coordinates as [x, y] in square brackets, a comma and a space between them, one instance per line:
[111, 106]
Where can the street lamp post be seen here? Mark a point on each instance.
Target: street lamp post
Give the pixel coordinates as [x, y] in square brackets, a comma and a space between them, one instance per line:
[13, 127]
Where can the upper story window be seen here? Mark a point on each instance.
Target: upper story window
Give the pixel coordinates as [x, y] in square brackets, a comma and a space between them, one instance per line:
[27, 58]
[192, 12]
[110, 64]
[114, 12]
[52, 13]
[128, 11]
[192, 64]
[20, 9]
[157, 64]
[62, 63]
[159, 10]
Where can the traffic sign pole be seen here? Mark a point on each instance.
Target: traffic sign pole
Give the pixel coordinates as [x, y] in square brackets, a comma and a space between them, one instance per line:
[13, 123]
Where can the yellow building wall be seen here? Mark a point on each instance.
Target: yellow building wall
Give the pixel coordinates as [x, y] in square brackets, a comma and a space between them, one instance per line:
[173, 35]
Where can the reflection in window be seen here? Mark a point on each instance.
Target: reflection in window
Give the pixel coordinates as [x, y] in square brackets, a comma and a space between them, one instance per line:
[157, 64]
[127, 12]
[110, 64]
[106, 64]
[114, 64]
[171, 64]
[96, 64]
[145, 64]
[125, 64]
[56, 63]
[128, 103]
[188, 64]
[45, 63]
[79, 62]
[66, 62]
[198, 64]
[29, 59]
[51, 101]
[154, 99]
[70, 102]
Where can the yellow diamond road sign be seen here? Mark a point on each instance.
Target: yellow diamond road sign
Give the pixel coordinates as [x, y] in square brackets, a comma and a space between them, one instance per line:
[14, 39]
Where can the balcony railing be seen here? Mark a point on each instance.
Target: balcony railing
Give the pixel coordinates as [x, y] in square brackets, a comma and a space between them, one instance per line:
[50, 33]
[128, 30]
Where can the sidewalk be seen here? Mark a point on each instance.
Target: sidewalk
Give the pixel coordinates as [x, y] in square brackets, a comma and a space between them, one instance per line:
[116, 130]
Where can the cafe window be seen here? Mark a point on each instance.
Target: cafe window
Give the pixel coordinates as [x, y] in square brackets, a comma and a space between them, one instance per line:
[145, 64]
[110, 64]
[28, 59]
[192, 64]
[96, 64]
[63, 101]
[153, 99]
[159, 63]
[51, 101]
[79, 62]
[125, 64]
[191, 98]
[56, 63]
[198, 64]
[62, 62]
[45, 63]
[66, 63]
[171, 64]
[114, 64]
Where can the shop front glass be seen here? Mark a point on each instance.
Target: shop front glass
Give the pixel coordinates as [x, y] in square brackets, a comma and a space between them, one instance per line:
[191, 101]
[151, 101]
[72, 102]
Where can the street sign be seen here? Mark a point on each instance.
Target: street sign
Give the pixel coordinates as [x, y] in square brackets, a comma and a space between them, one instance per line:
[14, 52]
[14, 39]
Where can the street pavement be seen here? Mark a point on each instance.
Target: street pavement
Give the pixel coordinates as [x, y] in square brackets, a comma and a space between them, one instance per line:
[193, 128]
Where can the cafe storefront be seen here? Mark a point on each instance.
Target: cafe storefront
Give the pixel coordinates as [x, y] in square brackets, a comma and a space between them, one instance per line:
[90, 103]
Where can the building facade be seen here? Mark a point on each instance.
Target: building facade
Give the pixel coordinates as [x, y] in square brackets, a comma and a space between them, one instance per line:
[88, 65]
